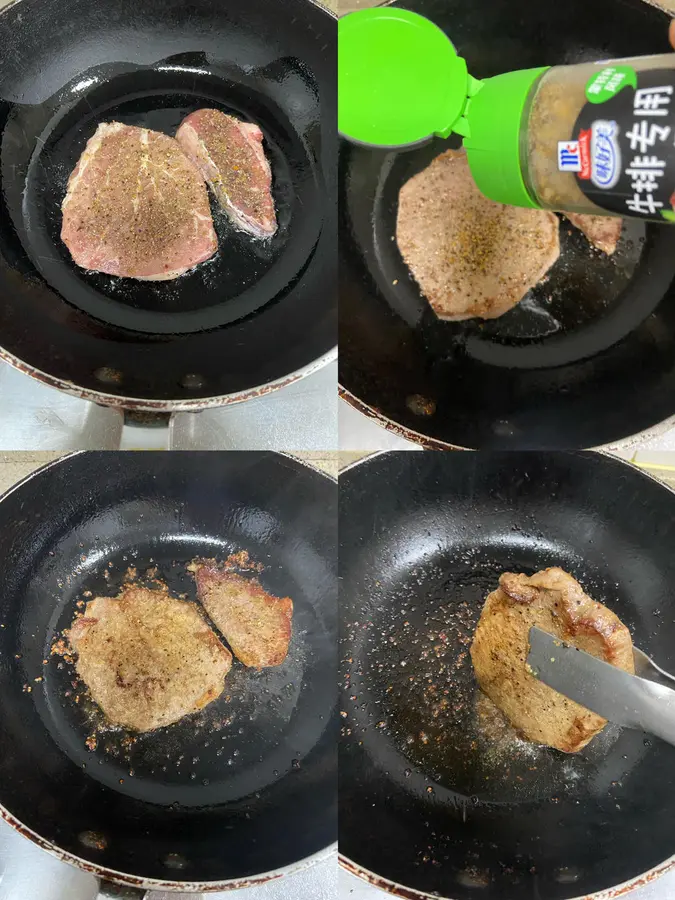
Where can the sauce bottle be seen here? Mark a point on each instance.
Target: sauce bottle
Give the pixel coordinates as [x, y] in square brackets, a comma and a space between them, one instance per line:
[595, 138]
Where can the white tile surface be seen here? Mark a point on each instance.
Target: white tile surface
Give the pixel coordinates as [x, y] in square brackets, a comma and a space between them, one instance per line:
[301, 416]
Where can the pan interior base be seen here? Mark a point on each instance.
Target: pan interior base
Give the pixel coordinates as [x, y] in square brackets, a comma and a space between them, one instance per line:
[246, 273]
[236, 746]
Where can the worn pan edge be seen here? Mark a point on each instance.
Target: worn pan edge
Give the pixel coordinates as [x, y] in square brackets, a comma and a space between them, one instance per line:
[198, 887]
[429, 443]
[399, 890]
[396, 428]
[138, 404]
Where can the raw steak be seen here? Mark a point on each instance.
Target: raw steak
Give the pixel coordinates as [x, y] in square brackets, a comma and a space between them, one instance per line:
[229, 153]
[136, 206]
[470, 257]
[256, 625]
[556, 603]
[148, 659]
[602, 231]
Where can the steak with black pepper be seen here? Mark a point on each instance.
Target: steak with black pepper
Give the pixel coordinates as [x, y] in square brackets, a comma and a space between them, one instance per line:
[136, 206]
[256, 625]
[471, 257]
[602, 231]
[230, 155]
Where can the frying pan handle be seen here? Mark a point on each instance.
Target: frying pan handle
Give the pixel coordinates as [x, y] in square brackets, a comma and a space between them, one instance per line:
[145, 419]
[184, 430]
[104, 425]
[191, 431]
[109, 891]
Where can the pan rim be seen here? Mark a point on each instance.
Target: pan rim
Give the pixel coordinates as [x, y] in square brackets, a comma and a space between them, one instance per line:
[429, 443]
[325, 8]
[125, 878]
[409, 434]
[140, 404]
[172, 405]
[73, 453]
[399, 890]
[606, 452]
[43, 468]
[303, 462]
[610, 893]
[137, 881]
[369, 454]
[316, 3]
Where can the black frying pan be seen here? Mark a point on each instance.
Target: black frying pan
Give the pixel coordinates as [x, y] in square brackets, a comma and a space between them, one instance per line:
[431, 802]
[256, 315]
[588, 357]
[243, 791]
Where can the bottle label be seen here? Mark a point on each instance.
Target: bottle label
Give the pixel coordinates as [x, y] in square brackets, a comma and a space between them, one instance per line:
[622, 151]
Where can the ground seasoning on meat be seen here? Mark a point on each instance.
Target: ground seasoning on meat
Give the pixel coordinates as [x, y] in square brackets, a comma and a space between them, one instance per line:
[230, 155]
[136, 206]
[470, 256]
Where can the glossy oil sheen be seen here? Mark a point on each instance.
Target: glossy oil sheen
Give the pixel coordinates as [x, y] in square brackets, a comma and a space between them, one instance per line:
[258, 310]
[246, 786]
[424, 800]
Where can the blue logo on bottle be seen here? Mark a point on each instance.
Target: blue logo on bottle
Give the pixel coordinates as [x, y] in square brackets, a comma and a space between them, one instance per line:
[605, 154]
[569, 159]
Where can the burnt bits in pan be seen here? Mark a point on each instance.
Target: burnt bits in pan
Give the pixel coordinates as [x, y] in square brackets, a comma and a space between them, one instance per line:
[43, 142]
[162, 510]
[416, 700]
[236, 746]
[437, 793]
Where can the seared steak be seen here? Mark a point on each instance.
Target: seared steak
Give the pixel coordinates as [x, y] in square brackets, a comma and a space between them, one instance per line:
[256, 625]
[136, 206]
[470, 257]
[602, 231]
[230, 155]
[556, 603]
[148, 659]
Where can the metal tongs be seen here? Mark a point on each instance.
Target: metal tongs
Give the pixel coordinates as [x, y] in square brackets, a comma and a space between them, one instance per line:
[645, 700]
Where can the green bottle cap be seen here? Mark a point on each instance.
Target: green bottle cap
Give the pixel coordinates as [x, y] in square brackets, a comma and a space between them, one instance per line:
[495, 117]
[401, 82]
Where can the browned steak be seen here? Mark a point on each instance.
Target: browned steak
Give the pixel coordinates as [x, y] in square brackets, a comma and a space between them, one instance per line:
[230, 155]
[136, 206]
[602, 231]
[147, 658]
[555, 602]
[256, 625]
